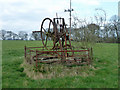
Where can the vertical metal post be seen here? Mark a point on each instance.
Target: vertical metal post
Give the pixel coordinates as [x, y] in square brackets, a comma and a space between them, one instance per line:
[88, 57]
[70, 10]
[70, 19]
[65, 45]
[25, 51]
[30, 57]
[91, 55]
[62, 53]
[36, 59]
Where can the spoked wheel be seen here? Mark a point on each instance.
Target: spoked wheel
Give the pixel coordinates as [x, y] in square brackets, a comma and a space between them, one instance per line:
[47, 33]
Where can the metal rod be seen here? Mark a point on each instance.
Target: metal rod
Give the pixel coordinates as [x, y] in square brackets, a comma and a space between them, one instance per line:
[70, 10]
[70, 19]
[36, 58]
[25, 51]
[65, 51]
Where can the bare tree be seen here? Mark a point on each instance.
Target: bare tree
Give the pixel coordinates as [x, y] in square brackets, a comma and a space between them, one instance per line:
[85, 31]
[15, 36]
[36, 35]
[9, 35]
[2, 34]
[114, 25]
[23, 35]
[31, 36]
[100, 16]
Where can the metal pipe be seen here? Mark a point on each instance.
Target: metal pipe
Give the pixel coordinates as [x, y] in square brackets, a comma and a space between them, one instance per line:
[69, 10]
[36, 58]
[70, 19]
[25, 51]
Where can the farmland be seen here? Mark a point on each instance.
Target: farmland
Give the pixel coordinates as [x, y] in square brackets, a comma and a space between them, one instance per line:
[103, 73]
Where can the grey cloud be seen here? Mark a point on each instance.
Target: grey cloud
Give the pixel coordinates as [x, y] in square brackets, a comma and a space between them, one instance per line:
[32, 15]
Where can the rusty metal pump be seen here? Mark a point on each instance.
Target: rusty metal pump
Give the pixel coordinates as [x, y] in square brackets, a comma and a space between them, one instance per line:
[57, 32]
[56, 46]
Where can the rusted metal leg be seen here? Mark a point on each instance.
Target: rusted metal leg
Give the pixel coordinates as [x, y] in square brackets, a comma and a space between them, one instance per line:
[25, 52]
[88, 60]
[36, 58]
[91, 55]
[30, 58]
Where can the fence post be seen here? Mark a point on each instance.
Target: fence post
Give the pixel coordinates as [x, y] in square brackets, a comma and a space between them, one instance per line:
[91, 55]
[88, 56]
[30, 57]
[36, 58]
[25, 52]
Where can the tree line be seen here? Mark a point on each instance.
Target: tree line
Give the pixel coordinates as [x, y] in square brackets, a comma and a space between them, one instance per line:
[99, 30]
[22, 35]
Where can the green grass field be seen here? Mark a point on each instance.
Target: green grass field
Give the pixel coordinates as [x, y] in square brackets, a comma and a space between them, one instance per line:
[103, 73]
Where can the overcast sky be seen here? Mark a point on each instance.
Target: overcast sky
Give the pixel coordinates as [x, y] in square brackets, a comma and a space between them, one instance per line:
[27, 15]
